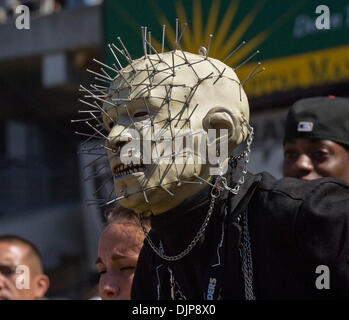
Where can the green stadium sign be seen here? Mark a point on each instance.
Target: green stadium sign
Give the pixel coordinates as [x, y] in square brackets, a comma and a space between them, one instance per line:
[294, 50]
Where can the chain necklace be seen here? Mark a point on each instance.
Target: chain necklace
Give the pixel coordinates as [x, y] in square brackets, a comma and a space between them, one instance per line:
[197, 237]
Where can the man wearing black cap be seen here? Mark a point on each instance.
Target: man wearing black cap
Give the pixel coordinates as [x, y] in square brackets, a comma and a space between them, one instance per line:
[316, 142]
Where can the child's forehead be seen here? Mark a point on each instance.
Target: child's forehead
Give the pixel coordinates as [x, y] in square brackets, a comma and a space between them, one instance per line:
[121, 238]
[122, 230]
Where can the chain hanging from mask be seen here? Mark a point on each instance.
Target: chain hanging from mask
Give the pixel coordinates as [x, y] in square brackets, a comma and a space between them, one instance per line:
[243, 155]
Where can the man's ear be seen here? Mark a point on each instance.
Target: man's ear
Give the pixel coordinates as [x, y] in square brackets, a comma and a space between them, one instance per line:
[222, 118]
[42, 282]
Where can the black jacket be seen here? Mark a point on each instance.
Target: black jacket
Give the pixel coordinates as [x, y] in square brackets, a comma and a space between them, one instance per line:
[294, 227]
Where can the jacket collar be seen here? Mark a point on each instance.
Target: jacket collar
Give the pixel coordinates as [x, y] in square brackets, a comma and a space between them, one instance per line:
[196, 206]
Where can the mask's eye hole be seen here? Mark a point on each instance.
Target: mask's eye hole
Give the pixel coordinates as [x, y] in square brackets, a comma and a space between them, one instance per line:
[140, 114]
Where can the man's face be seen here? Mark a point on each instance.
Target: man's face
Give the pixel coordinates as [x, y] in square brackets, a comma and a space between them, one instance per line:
[166, 109]
[118, 251]
[13, 255]
[310, 159]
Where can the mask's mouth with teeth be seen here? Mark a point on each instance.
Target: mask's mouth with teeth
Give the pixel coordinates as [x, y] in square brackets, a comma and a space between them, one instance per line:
[126, 169]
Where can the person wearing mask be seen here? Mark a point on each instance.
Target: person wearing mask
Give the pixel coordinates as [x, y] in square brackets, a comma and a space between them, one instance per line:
[217, 231]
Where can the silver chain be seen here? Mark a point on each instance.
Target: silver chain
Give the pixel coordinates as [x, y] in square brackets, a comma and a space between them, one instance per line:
[214, 195]
[245, 154]
[249, 140]
[246, 259]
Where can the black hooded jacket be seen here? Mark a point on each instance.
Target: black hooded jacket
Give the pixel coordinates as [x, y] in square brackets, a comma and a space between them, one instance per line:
[296, 229]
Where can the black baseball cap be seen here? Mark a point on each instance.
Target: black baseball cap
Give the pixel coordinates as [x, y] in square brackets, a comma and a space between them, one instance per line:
[325, 118]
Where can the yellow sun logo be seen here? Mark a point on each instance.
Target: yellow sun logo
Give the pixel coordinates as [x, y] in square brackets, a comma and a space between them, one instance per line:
[220, 28]
[222, 43]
